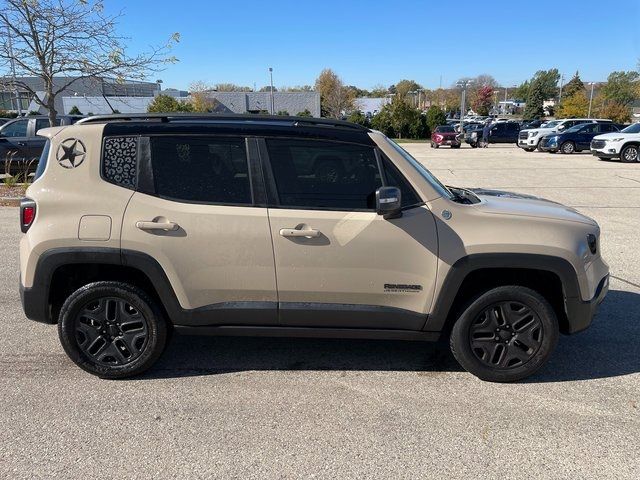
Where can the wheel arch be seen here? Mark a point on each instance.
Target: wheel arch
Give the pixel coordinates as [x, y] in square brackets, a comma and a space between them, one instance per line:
[552, 277]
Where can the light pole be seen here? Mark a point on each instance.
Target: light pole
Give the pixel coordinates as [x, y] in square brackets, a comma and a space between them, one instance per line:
[590, 98]
[463, 84]
[560, 94]
[271, 83]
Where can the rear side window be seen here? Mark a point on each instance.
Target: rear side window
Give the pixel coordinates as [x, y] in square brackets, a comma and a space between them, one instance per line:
[42, 163]
[201, 169]
[320, 174]
[120, 161]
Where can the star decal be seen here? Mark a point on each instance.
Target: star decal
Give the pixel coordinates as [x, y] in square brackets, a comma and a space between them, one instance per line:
[71, 153]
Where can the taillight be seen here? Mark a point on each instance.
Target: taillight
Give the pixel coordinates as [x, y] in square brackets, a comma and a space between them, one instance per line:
[27, 213]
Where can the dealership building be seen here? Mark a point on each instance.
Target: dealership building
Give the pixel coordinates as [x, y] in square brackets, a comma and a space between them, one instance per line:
[103, 96]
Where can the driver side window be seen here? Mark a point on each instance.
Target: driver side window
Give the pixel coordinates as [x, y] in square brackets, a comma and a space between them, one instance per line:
[16, 129]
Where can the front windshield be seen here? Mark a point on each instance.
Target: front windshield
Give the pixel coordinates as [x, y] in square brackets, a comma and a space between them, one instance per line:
[422, 170]
[445, 129]
[551, 124]
[635, 128]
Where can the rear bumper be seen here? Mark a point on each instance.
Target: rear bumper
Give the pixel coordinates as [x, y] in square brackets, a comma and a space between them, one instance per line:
[580, 313]
[34, 304]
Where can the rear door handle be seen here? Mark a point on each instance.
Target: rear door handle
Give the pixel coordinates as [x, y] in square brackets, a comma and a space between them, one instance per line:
[294, 232]
[151, 225]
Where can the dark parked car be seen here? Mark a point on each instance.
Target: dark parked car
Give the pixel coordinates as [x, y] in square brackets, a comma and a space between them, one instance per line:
[445, 135]
[576, 138]
[501, 132]
[532, 124]
[20, 144]
[4, 120]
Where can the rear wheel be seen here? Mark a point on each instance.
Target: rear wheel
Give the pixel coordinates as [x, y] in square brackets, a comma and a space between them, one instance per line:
[529, 149]
[505, 334]
[630, 154]
[112, 329]
[568, 147]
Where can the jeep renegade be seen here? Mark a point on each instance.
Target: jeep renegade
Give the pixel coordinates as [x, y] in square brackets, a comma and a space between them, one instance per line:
[281, 226]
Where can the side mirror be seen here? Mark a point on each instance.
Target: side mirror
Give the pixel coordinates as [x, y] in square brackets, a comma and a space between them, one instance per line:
[388, 202]
[561, 127]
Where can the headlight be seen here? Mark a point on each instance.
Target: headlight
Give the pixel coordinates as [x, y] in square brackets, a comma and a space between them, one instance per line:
[614, 139]
[533, 134]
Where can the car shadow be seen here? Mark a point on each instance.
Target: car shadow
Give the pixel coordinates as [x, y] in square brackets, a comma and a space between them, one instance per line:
[609, 348]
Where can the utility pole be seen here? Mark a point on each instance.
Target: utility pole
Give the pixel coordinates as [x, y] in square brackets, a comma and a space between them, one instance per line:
[560, 95]
[590, 98]
[271, 82]
[13, 72]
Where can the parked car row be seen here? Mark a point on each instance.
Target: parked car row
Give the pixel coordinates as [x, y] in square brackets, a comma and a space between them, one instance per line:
[529, 138]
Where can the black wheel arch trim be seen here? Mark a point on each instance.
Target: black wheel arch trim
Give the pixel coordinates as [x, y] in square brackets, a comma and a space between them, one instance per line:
[579, 313]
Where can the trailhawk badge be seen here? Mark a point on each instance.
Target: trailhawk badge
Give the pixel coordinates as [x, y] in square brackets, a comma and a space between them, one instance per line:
[71, 153]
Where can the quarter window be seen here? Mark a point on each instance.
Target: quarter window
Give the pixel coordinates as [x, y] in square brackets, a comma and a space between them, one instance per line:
[319, 174]
[120, 161]
[201, 169]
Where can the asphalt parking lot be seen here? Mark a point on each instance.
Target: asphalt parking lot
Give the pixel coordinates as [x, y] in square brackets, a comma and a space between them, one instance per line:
[285, 408]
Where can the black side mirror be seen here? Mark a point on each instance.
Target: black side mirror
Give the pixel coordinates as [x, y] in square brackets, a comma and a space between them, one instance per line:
[388, 202]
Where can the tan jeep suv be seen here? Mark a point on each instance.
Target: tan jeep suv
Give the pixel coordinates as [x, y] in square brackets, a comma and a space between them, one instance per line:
[283, 226]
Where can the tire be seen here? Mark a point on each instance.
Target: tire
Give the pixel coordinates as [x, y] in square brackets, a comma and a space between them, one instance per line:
[511, 344]
[529, 149]
[435, 145]
[630, 153]
[112, 329]
[568, 147]
[455, 146]
[538, 147]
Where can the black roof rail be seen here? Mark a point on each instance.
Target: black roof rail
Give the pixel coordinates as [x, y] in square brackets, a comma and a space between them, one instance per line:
[195, 117]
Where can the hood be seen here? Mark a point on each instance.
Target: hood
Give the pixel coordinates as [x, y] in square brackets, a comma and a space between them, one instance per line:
[605, 136]
[508, 203]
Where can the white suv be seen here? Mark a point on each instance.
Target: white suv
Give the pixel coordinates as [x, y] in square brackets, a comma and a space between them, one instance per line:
[624, 144]
[529, 139]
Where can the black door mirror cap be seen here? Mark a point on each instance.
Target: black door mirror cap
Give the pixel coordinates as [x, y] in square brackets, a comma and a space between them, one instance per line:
[389, 202]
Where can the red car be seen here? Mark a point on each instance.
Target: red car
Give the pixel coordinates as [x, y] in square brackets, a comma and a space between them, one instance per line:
[444, 135]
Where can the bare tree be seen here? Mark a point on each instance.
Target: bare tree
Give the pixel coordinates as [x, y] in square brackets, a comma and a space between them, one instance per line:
[66, 41]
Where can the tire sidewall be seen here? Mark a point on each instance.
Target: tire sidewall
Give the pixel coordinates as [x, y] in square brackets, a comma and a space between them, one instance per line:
[565, 145]
[156, 325]
[460, 344]
[624, 151]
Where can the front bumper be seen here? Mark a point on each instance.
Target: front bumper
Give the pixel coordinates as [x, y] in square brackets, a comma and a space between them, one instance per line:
[580, 313]
[548, 147]
[529, 143]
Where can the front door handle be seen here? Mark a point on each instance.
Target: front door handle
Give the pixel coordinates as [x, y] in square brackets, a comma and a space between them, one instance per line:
[294, 232]
[22, 144]
[151, 225]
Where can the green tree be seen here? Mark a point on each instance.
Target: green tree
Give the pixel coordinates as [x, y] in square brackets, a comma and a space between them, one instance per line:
[435, 117]
[401, 120]
[75, 111]
[577, 105]
[335, 98]
[358, 117]
[522, 92]
[533, 109]
[403, 87]
[547, 81]
[621, 87]
[304, 113]
[283, 113]
[615, 111]
[167, 104]
[573, 86]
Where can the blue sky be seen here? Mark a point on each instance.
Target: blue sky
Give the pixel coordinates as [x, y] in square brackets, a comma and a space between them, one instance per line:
[380, 42]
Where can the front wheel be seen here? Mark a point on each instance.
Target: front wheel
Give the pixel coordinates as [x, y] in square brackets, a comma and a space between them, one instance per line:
[112, 329]
[568, 147]
[630, 154]
[505, 334]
